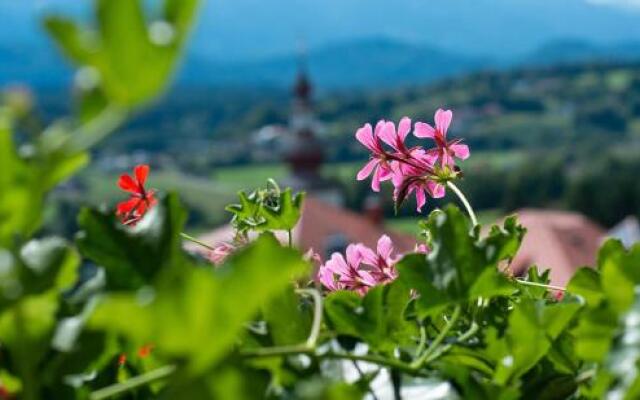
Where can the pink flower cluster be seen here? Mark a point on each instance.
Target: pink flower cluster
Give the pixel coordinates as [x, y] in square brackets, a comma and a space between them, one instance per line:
[362, 268]
[411, 170]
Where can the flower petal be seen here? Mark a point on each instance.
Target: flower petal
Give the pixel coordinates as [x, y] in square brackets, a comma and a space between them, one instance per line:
[423, 130]
[364, 135]
[128, 184]
[404, 126]
[388, 135]
[354, 254]
[421, 199]
[443, 120]
[368, 256]
[126, 206]
[337, 264]
[141, 172]
[385, 247]
[375, 180]
[436, 190]
[366, 170]
[460, 150]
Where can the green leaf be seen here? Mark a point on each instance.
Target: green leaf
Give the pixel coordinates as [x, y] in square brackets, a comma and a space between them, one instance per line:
[620, 274]
[533, 326]
[618, 278]
[594, 333]
[133, 256]
[74, 43]
[26, 329]
[376, 318]
[624, 359]
[133, 60]
[535, 292]
[461, 266]
[586, 283]
[48, 263]
[39, 266]
[219, 303]
[286, 214]
[267, 209]
[288, 319]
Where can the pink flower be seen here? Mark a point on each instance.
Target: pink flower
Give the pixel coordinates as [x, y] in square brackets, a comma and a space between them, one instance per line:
[381, 263]
[395, 139]
[362, 269]
[379, 163]
[445, 150]
[411, 170]
[419, 179]
[339, 273]
[421, 248]
[220, 252]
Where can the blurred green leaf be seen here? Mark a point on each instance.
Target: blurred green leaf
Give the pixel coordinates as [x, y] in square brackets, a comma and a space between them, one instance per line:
[26, 329]
[586, 283]
[133, 59]
[620, 274]
[133, 256]
[610, 294]
[289, 321]
[74, 43]
[218, 302]
[624, 359]
[39, 266]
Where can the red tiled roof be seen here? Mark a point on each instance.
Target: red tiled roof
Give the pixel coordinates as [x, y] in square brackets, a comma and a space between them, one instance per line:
[557, 240]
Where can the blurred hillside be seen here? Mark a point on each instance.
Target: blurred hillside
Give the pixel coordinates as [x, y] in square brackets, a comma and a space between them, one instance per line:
[577, 108]
[564, 137]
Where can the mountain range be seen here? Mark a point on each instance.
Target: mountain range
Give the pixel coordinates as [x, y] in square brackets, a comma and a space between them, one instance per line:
[354, 43]
[362, 64]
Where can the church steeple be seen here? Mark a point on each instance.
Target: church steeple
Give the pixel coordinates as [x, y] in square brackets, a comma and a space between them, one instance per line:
[303, 150]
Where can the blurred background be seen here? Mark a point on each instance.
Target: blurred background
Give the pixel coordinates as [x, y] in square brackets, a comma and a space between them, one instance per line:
[545, 92]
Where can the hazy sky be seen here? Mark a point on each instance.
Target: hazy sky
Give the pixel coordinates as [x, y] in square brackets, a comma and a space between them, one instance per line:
[241, 29]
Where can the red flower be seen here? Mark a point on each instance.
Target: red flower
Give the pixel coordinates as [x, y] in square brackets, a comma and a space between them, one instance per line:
[122, 359]
[141, 200]
[145, 350]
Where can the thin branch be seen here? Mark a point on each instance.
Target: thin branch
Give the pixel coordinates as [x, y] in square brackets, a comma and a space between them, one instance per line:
[133, 383]
[196, 241]
[436, 342]
[542, 285]
[317, 316]
[89, 134]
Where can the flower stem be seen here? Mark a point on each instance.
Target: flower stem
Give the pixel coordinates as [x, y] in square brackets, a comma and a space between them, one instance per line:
[295, 350]
[466, 335]
[542, 285]
[464, 201]
[436, 342]
[290, 237]
[132, 383]
[89, 134]
[196, 241]
[317, 316]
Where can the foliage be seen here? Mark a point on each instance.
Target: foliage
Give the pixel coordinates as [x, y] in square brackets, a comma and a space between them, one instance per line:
[152, 321]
